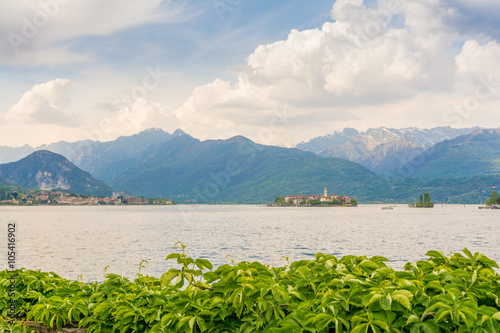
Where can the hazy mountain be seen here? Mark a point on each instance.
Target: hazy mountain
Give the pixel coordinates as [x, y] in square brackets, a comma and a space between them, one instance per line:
[239, 170]
[321, 143]
[73, 151]
[10, 154]
[47, 170]
[106, 160]
[380, 149]
[469, 155]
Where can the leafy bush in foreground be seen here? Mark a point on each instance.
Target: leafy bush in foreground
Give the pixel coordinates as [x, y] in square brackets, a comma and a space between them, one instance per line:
[352, 294]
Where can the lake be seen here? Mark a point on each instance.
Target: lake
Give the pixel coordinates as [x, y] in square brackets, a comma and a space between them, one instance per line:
[73, 241]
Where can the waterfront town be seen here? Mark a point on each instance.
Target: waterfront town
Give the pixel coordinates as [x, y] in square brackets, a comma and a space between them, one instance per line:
[315, 200]
[64, 198]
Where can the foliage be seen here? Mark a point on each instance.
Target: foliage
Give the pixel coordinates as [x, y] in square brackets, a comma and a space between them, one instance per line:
[279, 200]
[493, 200]
[3, 194]
[459, 293]
[12, 327]
[425, 202]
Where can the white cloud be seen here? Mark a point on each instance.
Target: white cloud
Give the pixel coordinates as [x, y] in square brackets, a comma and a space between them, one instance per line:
[475, 60]
[329, 75]
[142, 115]
[40, 32]
[45, 104]
[401, 63]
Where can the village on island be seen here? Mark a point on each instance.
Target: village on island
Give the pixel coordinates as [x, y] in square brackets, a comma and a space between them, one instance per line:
[324, 200]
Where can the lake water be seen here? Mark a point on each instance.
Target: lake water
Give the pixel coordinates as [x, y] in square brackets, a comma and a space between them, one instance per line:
[73, 241]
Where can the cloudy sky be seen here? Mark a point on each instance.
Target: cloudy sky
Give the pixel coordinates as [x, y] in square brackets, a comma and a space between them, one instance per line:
[278, 72]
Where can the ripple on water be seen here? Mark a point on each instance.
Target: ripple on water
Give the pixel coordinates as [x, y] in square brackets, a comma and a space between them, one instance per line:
[84, 240]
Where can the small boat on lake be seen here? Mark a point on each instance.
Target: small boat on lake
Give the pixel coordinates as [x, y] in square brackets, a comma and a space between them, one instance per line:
[387, 208]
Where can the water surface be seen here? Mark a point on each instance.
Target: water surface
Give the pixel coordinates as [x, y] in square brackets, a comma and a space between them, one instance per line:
[75, 241]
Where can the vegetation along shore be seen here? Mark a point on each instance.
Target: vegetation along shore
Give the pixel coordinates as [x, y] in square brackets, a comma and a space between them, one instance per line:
[456, 293]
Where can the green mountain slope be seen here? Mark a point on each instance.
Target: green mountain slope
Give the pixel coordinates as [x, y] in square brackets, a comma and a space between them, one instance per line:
[470, 155]
[46, 170]
[238, 170]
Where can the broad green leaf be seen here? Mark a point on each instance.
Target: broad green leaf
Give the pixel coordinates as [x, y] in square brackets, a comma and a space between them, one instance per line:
[173, 256]
[362, 328]
[468, 253]
[441, 315]
[370, 299]
[368, 264]
[183, 321]
[168, 276]
[436, 254]
[201, 324]
[381, 324]
[192, 321]
[403, 300]
[385, 302]
[203, 263]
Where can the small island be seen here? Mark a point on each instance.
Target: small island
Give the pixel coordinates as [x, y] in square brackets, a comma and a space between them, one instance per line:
[313, 200]
[425, 202]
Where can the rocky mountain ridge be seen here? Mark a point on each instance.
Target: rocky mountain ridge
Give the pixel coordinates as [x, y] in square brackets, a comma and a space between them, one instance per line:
[380, 149]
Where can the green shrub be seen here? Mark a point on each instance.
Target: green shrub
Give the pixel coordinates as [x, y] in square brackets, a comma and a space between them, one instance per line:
[459, 293]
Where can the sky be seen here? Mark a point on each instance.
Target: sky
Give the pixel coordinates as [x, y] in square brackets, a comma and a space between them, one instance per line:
[278, 72]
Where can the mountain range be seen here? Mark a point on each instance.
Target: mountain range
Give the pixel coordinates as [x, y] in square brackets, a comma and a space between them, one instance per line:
[237, 170]
[154, 163]
[381, 149]
[106, 160]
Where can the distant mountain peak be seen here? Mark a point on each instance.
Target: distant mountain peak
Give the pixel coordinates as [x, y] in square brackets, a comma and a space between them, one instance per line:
[494, 131]
[179, 132]
[348, 131]
[44, 154]
[152, 130]
[238, 138]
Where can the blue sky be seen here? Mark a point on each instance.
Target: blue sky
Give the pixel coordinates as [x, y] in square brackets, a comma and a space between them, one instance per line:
[278, 72]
